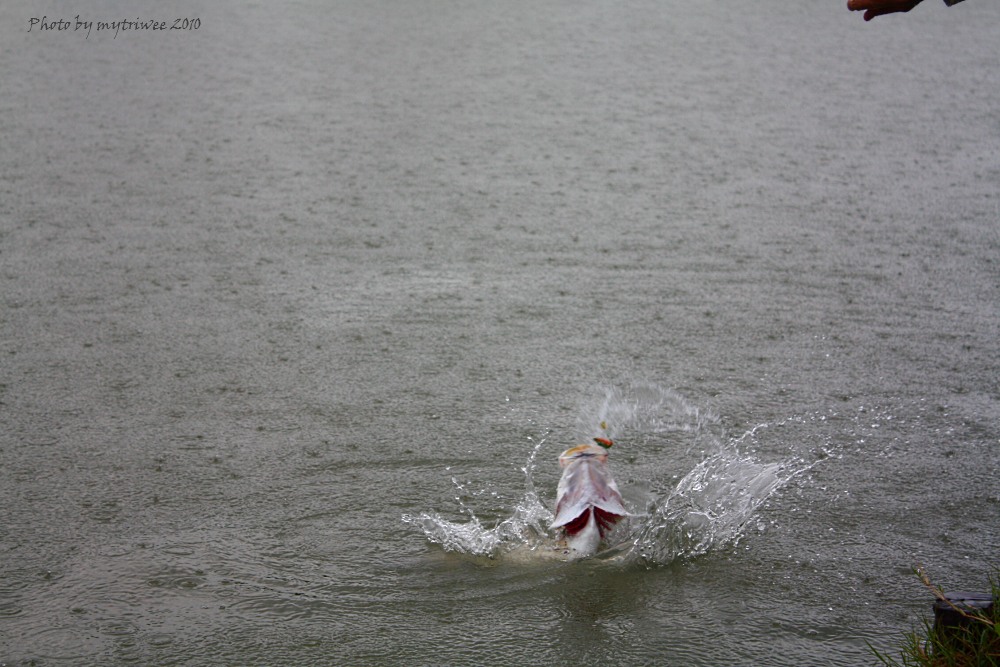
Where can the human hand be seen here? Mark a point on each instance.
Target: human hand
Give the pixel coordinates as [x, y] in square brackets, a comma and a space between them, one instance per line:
[875, 8]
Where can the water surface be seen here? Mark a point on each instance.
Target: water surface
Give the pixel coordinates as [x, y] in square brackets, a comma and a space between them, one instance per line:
[274, 286]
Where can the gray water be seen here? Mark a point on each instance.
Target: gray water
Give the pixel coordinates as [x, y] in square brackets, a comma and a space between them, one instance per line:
[286, 294]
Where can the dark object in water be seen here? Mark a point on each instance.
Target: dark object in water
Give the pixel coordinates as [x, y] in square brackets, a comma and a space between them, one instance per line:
[960, 620]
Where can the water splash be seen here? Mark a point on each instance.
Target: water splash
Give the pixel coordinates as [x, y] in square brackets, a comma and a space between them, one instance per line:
[708, 509]
[526, 528]
[640, 408]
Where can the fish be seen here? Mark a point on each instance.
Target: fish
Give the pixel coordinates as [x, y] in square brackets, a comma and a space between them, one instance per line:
[588, 503]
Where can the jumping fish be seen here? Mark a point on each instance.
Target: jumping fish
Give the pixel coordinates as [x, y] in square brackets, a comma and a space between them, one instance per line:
[588, 503]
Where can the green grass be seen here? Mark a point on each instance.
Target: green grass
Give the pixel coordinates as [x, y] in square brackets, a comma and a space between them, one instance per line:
[975, 642]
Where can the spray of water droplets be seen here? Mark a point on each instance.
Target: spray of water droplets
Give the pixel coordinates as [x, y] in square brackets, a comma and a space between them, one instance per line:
[707, 508]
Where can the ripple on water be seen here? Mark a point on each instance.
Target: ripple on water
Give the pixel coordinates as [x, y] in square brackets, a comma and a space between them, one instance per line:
[115, 550]
[159, 639]
[12, 587]
[178, 550]
[173, 578]
[41, 440]
[10, 608]
[117, 628]
[60, 643]
[289, 607]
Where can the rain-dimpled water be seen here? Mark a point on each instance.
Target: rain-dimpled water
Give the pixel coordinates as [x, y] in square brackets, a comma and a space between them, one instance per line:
[300, 307]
